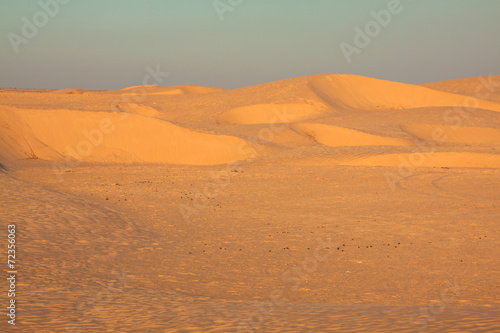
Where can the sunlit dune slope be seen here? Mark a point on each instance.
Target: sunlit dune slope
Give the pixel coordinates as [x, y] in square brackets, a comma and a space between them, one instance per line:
[483, 87]
[111, 137]
[271, 113]
[453, 134]
[334, 136]
[357, 92]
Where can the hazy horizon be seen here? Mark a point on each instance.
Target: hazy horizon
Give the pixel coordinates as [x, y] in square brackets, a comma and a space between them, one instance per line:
[232, 44]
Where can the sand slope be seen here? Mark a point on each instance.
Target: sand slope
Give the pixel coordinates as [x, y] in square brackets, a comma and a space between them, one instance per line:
[358, 92]
[112, 137]
[271, 113]
[138, 109]
[334, 136]
[484, 87]
[455, 134]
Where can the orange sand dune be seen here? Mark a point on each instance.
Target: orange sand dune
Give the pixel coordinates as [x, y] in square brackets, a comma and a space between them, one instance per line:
[112, 137]
[69, 91]
[448, 133]
[174, 90]
[271, 113]
[139, 109]
[334, 136]
[484, 87]
[358, 92]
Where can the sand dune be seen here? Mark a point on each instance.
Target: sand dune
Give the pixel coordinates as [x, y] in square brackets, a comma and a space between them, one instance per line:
[138, 109]
[112, 137]
[358, 92]
[271, 113]
[173, 90]
[448, 133]
[157, 231]
[334, 136]
[484, 87]
[69, 91]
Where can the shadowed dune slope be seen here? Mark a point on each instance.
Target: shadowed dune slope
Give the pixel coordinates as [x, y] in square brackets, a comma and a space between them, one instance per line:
[111, 137]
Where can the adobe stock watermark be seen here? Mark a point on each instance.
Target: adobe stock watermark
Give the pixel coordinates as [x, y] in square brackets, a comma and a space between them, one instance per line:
[30, 28]
[95, 136]
[448, 295]
[219, 180]
[436, 307]
[372, 29]
[453, 117]
[293, 277]
[225, 6]
[88, 309]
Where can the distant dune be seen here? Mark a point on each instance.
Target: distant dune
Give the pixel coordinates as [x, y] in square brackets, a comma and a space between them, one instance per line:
[174, 90]
[485, 87]
[202, 125]
[358, 92]
[69, 91]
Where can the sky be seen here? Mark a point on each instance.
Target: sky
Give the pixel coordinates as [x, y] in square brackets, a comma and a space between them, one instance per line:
[95, 44]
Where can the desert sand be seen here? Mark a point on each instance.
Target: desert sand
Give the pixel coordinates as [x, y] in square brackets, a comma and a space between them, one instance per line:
[326, 203]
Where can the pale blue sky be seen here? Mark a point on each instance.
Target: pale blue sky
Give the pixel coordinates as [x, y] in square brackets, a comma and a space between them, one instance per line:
[96, 44]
